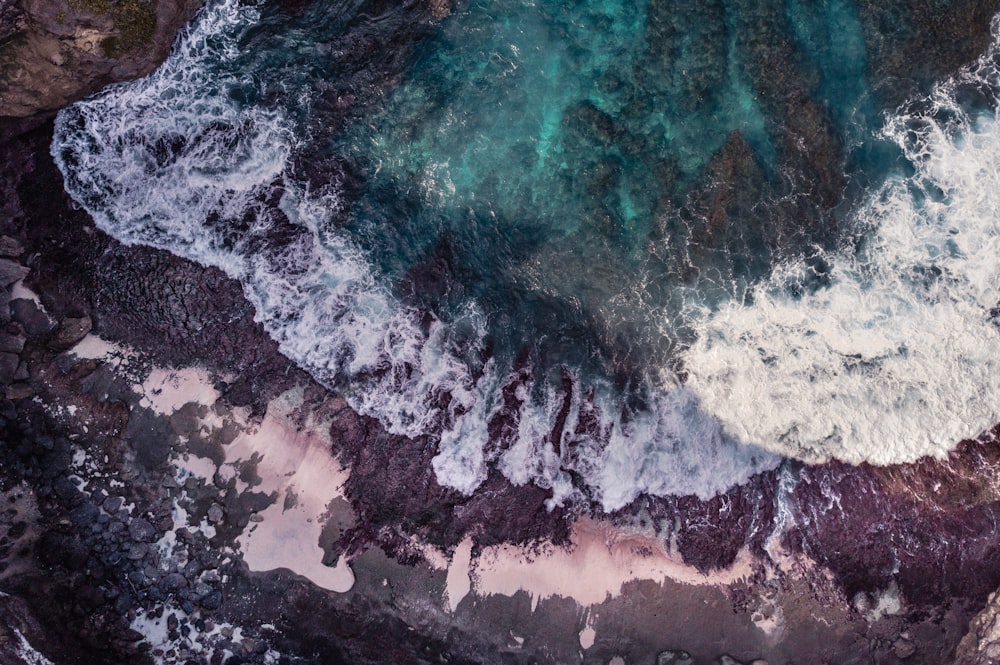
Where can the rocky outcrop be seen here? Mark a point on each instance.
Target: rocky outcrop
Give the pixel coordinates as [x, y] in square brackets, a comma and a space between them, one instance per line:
[981, 645]
[54, 53]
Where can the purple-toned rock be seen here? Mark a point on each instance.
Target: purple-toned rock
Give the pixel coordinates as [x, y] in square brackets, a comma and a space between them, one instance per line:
[10, 272]
[8, 367]
[36, 322]
[141, 530]
[10, 247]
[11, 343]
[71, 331]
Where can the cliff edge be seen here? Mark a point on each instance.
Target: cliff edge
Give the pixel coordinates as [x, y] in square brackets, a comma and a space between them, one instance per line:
[54, 53]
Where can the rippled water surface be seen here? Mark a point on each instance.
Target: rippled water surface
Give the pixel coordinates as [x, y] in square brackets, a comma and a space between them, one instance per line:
[605, 247]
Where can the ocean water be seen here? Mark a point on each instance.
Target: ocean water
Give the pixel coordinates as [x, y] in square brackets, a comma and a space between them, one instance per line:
[608, 248]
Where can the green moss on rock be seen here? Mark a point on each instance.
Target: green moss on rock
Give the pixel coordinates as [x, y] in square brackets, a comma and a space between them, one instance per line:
[134, 22]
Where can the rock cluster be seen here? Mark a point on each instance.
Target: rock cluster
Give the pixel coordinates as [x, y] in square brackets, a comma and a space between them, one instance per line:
[102, 542]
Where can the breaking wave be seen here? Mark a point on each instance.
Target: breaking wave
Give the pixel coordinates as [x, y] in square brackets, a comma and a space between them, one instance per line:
[893, 358]
[897, 355]
[174, 161]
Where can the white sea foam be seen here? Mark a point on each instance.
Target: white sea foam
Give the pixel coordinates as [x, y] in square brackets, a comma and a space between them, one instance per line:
[896, 358]
[173, 161]
[899, 356]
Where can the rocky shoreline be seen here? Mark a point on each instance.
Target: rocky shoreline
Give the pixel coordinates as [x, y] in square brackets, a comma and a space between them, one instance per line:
[838, 562]
[154, 440]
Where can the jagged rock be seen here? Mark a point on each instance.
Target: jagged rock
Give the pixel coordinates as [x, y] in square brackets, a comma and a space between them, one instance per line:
[112, 504]
[728, 660]
[141, 530]
[981, 645]
[175, 581]
[11, 271]
[71, 331]
[212, 601]
[674, 658]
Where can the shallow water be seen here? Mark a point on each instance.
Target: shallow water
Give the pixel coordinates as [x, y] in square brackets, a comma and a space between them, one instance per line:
[606, 247]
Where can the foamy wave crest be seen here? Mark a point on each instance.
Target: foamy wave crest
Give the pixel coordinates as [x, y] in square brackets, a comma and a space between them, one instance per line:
[899, 355]
[176, 162]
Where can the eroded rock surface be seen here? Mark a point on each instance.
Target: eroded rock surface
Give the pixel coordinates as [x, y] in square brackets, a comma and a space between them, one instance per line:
[53, 53]
[123, 522]
[981, 645]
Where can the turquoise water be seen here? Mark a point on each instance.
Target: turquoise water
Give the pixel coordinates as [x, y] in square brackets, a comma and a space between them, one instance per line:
[551, 151]
[605, 247]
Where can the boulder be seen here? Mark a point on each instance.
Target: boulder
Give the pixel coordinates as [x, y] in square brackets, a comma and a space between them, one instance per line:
[71, 331]
[35, 321]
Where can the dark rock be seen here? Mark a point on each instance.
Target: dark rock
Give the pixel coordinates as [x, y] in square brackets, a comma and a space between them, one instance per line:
[140, 529]
[71, 331]
[8, 367]
[36, 322]
[212, 601]
[23, 372]
[11, 272]
[18, 391]
[138, 551]
[10, 247]
[113, 504]
[84, 515]
[674, 658]
[132, 635]
[903, 648]
[11, 343]
[175, 581]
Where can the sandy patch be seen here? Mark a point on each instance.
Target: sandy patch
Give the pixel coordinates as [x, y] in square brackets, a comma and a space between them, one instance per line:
[601, 560]
[295, 463]
[458, 583]
[167, 390]
[92, 347]
[290, 461]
